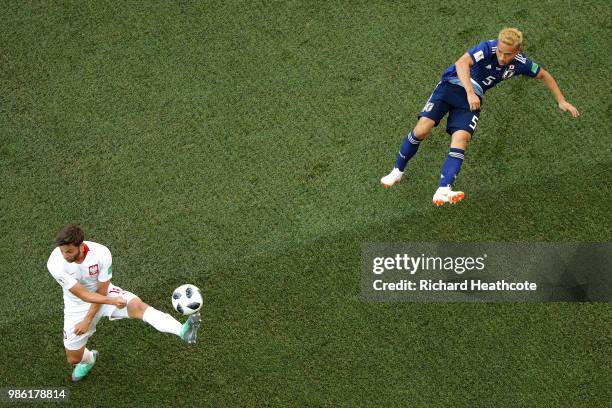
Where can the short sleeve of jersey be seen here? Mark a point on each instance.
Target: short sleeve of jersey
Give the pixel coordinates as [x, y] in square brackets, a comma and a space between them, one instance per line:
[528, 68]
[480, 52]
[106, 265]
[62, 277]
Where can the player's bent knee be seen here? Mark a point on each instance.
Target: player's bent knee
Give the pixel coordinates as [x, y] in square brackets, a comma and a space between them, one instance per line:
[420, 132]
[423, 127]
[136, 308]
[461, 139]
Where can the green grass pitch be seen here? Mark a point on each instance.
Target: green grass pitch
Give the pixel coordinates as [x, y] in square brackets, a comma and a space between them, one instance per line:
[238, 146]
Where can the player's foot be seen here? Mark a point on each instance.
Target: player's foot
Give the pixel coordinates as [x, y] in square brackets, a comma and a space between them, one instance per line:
[392, 178]
[82, 369]
[189, 331]
[446, 195]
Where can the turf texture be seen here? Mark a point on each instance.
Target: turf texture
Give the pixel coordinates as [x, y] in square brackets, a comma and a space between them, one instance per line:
[238, 146]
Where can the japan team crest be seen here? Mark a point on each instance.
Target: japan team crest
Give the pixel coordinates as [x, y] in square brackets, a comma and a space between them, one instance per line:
[509, 72]
[94, 270]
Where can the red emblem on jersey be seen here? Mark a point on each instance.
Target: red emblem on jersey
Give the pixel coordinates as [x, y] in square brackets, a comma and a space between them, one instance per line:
[94, 270]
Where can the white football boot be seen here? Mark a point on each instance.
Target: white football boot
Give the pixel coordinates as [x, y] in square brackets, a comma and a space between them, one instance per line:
[392, 178]
[446, 195]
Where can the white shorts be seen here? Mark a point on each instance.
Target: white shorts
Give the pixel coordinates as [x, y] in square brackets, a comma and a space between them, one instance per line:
[75, 342]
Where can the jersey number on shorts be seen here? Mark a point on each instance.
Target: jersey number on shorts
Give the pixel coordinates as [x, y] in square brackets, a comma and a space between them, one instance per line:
[473, 124]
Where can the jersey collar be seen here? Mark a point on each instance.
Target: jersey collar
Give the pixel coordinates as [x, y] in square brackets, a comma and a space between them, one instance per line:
[85, 252]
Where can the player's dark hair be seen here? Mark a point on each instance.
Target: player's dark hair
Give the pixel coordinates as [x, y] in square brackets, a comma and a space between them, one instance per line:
[70, 234]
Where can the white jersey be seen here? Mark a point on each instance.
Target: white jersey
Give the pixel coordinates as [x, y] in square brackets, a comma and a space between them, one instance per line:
[97, 266]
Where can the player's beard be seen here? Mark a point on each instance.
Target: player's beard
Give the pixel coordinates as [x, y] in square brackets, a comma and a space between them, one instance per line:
[76, 257]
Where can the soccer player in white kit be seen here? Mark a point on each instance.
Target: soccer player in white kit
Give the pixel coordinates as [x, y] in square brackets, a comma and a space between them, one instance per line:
[84, 270]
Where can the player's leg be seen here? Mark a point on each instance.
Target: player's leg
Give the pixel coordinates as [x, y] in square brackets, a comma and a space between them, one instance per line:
[433, 111]
[461, 125]
[82, 355]
[137, 309]
[162, 322]
[83, 361]
[460, 140]
[408, 149]
[450, 169]
[77, 354]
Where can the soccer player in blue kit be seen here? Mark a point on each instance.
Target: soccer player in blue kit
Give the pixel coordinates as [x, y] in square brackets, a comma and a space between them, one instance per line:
[459, 94]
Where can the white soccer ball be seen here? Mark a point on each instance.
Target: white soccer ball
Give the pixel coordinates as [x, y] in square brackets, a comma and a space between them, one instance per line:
[187, 299]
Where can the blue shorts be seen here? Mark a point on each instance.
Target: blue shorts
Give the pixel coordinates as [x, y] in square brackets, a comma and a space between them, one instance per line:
[452, 99]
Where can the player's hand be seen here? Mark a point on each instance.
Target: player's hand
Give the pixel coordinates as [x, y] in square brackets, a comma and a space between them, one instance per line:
[568, 107]
[119, 302]
[82, 327]
[474, 101]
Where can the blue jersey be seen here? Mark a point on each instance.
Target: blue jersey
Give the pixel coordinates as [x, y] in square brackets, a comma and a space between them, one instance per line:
[486, 72]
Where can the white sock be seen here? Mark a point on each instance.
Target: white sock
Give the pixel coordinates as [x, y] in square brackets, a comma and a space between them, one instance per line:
[88, 357]
[163, 322]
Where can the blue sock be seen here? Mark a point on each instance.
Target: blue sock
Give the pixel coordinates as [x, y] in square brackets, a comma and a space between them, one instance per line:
[451, 167]
[408, 149]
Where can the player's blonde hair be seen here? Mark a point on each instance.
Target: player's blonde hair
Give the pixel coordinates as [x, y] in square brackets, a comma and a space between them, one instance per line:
[511, 36]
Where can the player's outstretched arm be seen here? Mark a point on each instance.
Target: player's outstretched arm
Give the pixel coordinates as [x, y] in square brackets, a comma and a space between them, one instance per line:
[551, 84]
[92, 297]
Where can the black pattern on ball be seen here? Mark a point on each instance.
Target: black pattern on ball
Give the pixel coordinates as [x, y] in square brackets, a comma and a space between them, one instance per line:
[176, 295]
[179, 308]
[188, 292]
[194, 305]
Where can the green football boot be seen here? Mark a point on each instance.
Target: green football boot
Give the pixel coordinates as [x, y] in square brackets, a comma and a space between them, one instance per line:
[189, 331]
[82, 369]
